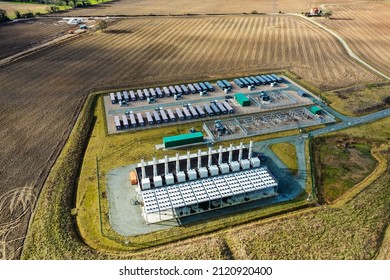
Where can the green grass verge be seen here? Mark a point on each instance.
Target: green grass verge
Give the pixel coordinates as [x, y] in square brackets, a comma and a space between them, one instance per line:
[287, 153]
[341, 163]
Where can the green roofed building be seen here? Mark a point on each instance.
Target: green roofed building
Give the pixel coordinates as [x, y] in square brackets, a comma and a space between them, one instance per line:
[315, 110]
[182, 139]
[242, 99]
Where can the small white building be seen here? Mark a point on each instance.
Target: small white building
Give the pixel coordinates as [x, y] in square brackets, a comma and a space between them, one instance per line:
[192, 174]
[214, 170]
[234, 166]
[145, 183]
[245, 164]
[224, 167]
[255, 162]
[203, 172]
[157, 181]
[181, 177]
[169, 179]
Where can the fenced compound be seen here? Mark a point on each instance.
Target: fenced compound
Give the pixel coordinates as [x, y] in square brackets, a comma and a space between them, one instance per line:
[258, 124]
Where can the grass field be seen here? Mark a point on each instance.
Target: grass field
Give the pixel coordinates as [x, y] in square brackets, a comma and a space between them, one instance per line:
[341, 163]
[286, 152]
[360, 100]
[365, 27]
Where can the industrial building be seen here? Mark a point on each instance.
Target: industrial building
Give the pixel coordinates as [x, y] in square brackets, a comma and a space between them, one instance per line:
[242, 99]
[191, 184]
[182, 139]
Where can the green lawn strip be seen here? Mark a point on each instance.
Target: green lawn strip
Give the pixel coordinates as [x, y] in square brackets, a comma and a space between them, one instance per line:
[286, 152]
[341, 163]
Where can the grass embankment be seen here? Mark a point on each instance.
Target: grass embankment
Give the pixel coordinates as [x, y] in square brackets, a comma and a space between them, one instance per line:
[341, 162]
[360, 100]
[287, 153]
[52, 233]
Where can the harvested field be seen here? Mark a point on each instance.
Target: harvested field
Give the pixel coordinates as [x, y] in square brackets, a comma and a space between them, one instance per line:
[20, 36]
[366, 28]
[166, 7]
[42, 93]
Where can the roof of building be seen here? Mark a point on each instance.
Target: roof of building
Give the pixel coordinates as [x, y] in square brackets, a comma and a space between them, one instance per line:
[182, 137]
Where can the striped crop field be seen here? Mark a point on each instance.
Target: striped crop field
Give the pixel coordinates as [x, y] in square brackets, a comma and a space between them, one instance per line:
[180, 7]
[366, 28]
[164, 49]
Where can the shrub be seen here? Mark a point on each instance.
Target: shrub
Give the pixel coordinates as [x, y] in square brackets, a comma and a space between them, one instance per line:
[3, 15]
[18, 14]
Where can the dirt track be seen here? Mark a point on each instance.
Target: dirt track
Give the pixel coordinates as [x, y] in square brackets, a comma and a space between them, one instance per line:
[41, 94]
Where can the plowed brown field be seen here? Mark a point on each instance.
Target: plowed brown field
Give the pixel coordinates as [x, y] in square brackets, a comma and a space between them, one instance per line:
[366, 28]
[41, 94]
[17, 37]
[166, 7]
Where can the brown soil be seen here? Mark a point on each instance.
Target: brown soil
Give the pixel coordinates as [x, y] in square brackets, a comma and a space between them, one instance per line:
[19, 36]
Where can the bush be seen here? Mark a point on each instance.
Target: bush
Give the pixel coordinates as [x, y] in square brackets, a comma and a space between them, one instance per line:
[3, 15]
[71, 4]
[52, 9]
[18, 14]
